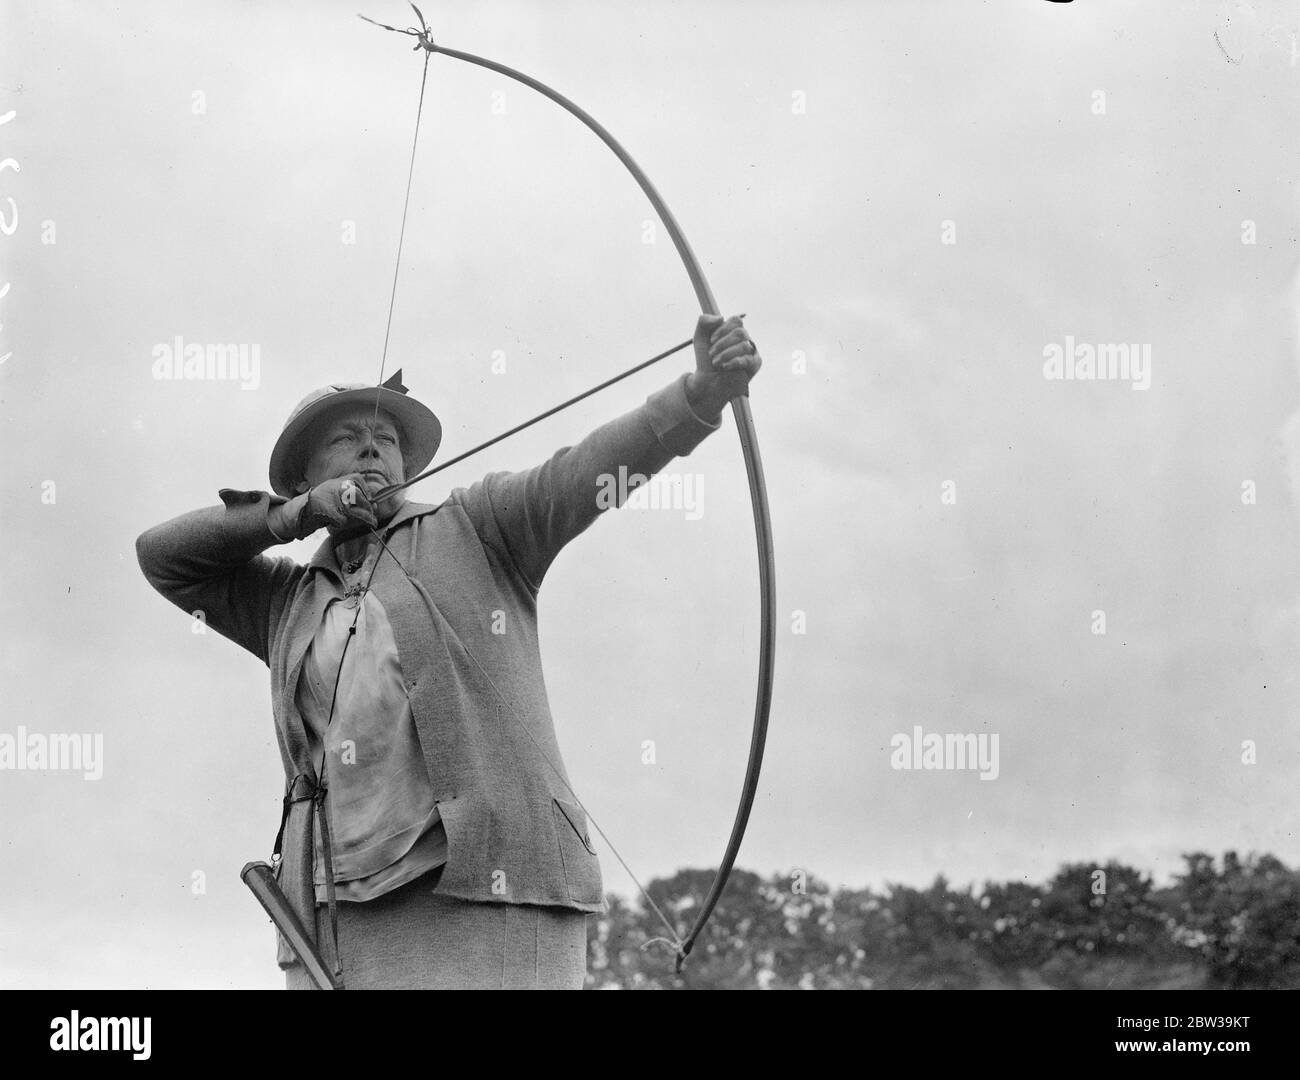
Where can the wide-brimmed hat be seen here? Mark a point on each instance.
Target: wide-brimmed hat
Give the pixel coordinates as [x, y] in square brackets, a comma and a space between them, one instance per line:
[420, 430]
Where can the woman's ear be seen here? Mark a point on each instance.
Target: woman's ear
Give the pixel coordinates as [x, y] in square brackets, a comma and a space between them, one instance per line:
[300, 487]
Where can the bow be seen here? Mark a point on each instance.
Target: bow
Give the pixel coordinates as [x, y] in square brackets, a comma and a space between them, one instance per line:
[749, 445]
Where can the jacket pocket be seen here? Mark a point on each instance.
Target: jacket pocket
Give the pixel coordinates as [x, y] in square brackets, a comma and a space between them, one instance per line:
[581, 867]
[285, 957]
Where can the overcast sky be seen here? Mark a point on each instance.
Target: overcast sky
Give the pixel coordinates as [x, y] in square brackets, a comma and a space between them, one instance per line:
[912, 202]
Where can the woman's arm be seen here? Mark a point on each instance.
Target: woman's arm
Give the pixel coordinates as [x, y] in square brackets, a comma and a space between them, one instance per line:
[529, 516]
[209, 563]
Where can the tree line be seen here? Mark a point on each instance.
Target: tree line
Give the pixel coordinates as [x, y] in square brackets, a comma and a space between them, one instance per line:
[1231, 923]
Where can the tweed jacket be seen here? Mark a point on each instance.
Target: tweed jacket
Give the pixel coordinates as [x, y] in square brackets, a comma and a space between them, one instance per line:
[463, 608]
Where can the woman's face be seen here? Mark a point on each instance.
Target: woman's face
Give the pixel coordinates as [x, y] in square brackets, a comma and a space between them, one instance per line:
[354, 440]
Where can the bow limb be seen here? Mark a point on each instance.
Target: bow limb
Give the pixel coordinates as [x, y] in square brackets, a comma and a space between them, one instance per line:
[753, 468]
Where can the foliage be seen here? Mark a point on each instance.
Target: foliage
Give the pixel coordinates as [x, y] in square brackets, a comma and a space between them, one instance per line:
[1243, 921]
[1092, 926]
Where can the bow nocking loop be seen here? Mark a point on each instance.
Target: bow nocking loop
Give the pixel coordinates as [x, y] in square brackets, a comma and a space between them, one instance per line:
[423, 36]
